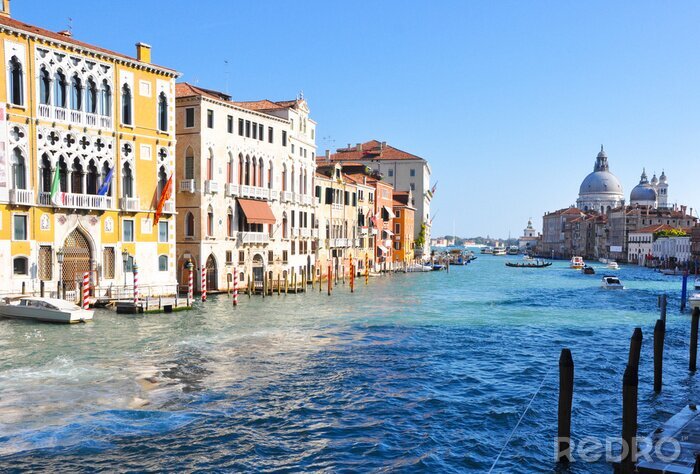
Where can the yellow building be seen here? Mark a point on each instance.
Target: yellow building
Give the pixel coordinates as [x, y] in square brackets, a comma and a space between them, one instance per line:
[87, 144]
[403, 223]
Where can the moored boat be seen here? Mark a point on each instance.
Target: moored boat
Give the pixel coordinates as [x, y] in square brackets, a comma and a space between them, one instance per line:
[50, 310]
[419, 268]
[499, 251]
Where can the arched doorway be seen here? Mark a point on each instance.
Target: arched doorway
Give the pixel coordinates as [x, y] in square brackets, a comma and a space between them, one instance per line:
[258, 269]
[77, 256]
[212, 276]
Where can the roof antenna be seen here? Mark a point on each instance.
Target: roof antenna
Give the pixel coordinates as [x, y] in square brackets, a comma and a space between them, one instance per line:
[226, 75]
[70, 26]
[301, 95]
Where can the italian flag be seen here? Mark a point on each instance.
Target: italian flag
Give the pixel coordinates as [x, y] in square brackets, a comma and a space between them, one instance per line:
[57, 196]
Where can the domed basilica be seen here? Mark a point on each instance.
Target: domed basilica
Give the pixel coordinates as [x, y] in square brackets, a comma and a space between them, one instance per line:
[601, 190]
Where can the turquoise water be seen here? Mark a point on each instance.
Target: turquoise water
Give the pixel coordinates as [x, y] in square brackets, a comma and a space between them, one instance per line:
[415, 372]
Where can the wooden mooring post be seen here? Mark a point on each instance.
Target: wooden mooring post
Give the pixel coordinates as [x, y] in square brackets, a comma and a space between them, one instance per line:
[694, 339]
[566, 395]
[279, 285]
[630, 383]
[635, 348]
[659, 336]
[330, 279]
[664, 303]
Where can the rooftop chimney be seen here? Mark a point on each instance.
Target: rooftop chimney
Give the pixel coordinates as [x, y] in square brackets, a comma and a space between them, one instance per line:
[359, 147]
[328, 155]
[5, 8]
[67, 33]
[143, 52]
[349, 146]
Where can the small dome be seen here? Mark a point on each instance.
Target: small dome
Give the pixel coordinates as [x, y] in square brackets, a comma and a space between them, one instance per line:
[601, 153]
[662, 178]
[643, 193]
[654, 179]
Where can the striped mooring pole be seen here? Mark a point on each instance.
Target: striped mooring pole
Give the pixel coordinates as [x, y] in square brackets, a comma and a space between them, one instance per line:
[86, 290]
[366, 269]
[235, 286]
[204, 284]
[190, 284]
[136, 284]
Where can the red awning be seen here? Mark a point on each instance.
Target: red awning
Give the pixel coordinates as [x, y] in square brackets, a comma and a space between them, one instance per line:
[257, 212]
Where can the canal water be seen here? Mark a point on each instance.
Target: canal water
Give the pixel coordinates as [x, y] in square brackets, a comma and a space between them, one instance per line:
[415, 372]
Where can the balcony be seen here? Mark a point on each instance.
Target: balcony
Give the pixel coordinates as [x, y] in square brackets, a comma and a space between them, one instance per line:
[77, 117]
[304, 232]
[314, 233]
[306, 199]
[255, 192]
[211, 187]
[23, 197]
[187, 186]
[362, 230]
[169, 207]
[286, 196]
[129, 204]
[336, 206]
[78, 201]
[231, 189]
[253, 237]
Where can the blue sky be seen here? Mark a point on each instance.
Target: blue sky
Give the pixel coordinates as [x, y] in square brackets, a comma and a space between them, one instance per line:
[508, 100]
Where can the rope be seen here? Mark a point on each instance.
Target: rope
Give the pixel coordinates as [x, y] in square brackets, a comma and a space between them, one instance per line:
[519, 420]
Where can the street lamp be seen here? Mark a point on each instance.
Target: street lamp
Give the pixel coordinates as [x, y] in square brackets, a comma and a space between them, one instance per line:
[59, 259]
[125, 260]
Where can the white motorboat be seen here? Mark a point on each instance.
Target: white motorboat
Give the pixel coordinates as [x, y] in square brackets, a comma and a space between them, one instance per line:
[577, 263]
[611, 282]
[486, 250]
[419, 268]
[696, 284]
[499, 251]
[513, 250]
[612, 265]
[50, 310]
[694, 301]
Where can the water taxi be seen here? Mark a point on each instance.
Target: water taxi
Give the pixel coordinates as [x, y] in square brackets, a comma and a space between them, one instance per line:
[513, 250]
[611, 282]
[612, 265]
[49, 310]
[577, 263]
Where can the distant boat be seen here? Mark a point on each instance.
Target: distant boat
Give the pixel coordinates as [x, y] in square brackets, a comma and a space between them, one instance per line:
[612, 265]
[611, 282]
[528, 265]
[513, 250]
[438, 267]
[499, 250]
[671, 271]
[588, 270]
[486, 250]
[419, 268]
[577, 263]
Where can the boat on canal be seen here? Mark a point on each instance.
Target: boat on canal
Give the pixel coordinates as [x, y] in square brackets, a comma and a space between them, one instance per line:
[513, 250]
[535, 264]
[419, 268]
[51, 310]
[611, 282]
[577, 263]
[588, 270]
[612, 265]
[499, 251]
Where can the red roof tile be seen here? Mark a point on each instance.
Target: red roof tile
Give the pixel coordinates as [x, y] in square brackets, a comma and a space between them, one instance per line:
[372, 150]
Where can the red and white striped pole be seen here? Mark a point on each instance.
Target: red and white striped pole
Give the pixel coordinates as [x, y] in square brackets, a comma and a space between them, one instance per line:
[136, 284]
[86, 290]
[235, 286]
[204, 284]
[190, 283]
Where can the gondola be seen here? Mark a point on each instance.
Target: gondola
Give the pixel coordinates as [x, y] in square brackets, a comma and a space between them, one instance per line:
[528, 265]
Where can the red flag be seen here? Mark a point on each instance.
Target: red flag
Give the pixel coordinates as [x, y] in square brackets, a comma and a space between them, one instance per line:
[164, 196]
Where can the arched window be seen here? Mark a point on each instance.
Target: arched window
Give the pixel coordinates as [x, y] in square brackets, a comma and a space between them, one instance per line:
[301, 181]
[284, 177]
[126, 105]
[305, 190]
[229, 169]
[16, 82]
[246, 180]
[210, 221]
[229, 222]
[189, 225]
[76, 93]
[44, 87]
[91, 97]
[270, 179]
[127, 181]
[19, 170]
[284, 225]
[260, 172]
[105, 174]
[20, 266]
[106, 99]
[240, 168]
[59, 90]
[92, 175]
[210, 165]
[189, 163]
[46, 177]
[76, 177]
[162, 112]
[162, 180]
[162, 263]
[254, 172]
[63, 174]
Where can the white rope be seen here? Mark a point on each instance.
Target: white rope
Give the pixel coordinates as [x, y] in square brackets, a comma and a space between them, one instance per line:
[519, 420]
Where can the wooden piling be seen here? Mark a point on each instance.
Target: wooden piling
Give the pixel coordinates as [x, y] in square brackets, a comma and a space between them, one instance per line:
[330, 279]
[313, 277]
[41, 288]
[664, 302]
[566, 395]
[279, 285]
[630, 382]
[249, 286]
[264, 288]
[352, 278]
[294, 281]
[659, 335]
[320, 278]
[286, 284]
[24, 284]
[694, 339]
[635, 348]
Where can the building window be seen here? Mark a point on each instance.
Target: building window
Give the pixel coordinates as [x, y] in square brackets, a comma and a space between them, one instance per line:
[247, 128]
[106, 99]
[19, 170]
[189, 117]
[229, 124]
[189, 225]
[413, 172]
[240, 126]
[390, 172]
[16, 82]
[229, 257]
[91, 97]
[285, 258]
[128, 230]
[413, 186]
[397, 213]
[261, 132]
[108, 263]
[59, 90]
[189, 163]
[284, 138]
[255, 131]
[20, 265]
[45, 262]
[210, 118]
[76, 93]
[163, 231]
[270, 257]
[162, 112]
[126, 105]
[162, 263]
[269, 134]
[241, 256]
[44, 87]
[397, 228]
[292, 148]
[20, 227]
[127, 181]
[229, 222]
[210, 221]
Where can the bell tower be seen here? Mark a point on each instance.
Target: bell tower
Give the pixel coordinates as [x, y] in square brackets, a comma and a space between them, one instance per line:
[662, 190]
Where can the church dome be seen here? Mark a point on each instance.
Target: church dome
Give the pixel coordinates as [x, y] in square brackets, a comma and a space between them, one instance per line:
[601, 189]
[600, 182]
[643, 193]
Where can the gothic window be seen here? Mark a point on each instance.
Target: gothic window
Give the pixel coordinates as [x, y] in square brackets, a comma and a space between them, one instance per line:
[210, 221]
[106, 99]
[162, 180]
[247, 171]
[127, 181]
[46, 177]
[126, 105]
[76, 182]
[19, 170]
[240, 168]
[284, 225]
[284, 177]
[59, 93]
[162, 112]
[229, 169]
[229, 222]
[163, 263]
[16, 82]
[105, 174]
[189, 225]
[269, 176]
[189, 163]
[63, 174]
[210, 165]
[91, 97]
[76, 96]
[44, 87]
[254, 172]
[92, 176]
[260, 172]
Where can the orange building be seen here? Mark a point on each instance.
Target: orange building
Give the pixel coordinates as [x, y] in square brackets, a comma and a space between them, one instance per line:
[403, 227]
